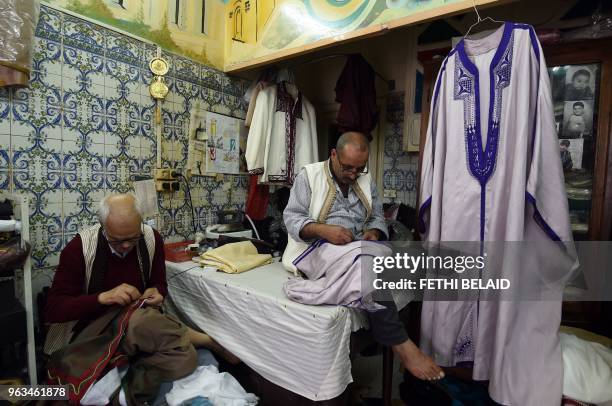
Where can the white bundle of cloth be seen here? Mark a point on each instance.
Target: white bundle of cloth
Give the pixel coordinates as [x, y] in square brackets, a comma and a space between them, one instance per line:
[221, 389]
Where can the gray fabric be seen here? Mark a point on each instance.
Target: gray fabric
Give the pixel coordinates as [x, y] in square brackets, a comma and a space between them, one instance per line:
[348, 212]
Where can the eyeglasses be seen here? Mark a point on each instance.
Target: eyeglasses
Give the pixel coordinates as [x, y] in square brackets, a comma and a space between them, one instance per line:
[118, 243]
[351, 169]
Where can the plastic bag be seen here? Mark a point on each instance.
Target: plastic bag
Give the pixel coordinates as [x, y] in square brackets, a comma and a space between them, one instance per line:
[12, 256]
[19, 18]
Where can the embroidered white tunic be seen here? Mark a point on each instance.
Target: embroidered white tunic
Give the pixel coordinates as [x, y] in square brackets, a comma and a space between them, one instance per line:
[283, 135]
[492, 172]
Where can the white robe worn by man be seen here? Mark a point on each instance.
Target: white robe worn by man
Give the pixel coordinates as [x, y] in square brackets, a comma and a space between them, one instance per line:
[491, 172]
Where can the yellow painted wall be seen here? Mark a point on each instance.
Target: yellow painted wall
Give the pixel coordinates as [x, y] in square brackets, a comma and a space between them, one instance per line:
[155, 20]
[285, 24]
[239, 31]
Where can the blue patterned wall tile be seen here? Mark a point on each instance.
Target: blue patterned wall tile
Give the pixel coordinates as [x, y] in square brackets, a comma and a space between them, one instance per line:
[235, 106]
[132, 148]
[123, 48]
[4, 178]
[211, 97]
[80, 64]
[221, 108]
[49, 24]
[186, 90]
[5, 142]
[169, 57]
[52, 132]
[5, 117]
[211, 78]
[77, 217]
[148, 151]
[46, 59]
[116, 112]
[97, 77]
[5, 153]
[133, 117]
[74, 85]
[46, 235]
[95, 149]
[146, 162]
[145, 79]
[121, 71]
[175, 101]
[149, 52]
[70, 199]
[35, 108]
[83, 35]
[96, 90]
[139, 121]
[112, 88]
[83, 171]
[54, 81]
[146, 124]
[84, 112]
[114, 150]
[92, 93]
[232, 86]
[36, 165]
[132, 92]
[410, 180]
[186, 69]
[400, 168]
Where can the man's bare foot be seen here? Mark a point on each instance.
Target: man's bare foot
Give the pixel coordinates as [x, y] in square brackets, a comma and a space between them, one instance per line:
[199, 339]
[419, 364]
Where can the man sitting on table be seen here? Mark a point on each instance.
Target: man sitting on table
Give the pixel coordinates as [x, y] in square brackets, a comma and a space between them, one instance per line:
[344, 223]
[102, 272]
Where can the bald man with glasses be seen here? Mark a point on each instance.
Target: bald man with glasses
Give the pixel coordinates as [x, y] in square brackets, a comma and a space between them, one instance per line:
[336, 200]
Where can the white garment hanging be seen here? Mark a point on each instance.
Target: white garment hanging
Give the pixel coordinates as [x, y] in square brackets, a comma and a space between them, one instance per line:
[283, 135]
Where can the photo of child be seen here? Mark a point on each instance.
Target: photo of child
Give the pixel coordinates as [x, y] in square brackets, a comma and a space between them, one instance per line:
[580, 82]
[578, 119]
[571, 153]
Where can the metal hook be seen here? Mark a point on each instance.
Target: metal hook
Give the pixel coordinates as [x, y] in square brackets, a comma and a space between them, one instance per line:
[479, 20]
[476, 11]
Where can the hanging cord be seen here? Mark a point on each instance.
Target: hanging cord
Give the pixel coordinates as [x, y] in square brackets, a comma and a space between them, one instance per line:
[188, 195]
[252, 225]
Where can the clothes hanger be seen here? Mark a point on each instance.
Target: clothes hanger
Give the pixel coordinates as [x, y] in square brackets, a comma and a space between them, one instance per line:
[480, 20]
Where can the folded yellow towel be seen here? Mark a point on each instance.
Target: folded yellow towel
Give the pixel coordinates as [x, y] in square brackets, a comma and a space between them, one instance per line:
[235, 257]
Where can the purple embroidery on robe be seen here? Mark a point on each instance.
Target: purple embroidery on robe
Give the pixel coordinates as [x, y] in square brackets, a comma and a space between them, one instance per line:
[309, 250]
[465, 346]
[482, 162]
[537, 216]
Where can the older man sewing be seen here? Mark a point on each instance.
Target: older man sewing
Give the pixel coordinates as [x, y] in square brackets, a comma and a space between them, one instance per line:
[104, 308]
[336, 200]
